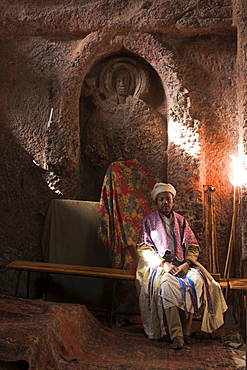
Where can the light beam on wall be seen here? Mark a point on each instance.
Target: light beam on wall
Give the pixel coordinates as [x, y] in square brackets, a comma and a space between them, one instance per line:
[186, 137]
[239, 170]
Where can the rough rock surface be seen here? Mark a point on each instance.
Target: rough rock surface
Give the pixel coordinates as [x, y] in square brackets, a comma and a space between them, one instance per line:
[188, 53]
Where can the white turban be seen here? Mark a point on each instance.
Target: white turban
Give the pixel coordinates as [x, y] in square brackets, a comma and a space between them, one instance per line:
[160, 187]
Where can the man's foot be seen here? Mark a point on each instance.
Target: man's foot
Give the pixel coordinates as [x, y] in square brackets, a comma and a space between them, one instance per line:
[203, 335]
[177, 343]
[189, 340]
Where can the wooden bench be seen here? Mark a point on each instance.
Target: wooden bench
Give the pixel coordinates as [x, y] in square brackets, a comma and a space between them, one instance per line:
[76, 270]
[223, 282]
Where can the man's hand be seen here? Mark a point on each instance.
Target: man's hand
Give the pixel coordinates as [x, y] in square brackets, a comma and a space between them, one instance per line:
[182, 270]
[169, 267]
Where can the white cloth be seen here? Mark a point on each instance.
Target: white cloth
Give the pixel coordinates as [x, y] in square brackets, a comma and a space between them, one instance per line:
[160, 187]
[171, 292]
[152, 310]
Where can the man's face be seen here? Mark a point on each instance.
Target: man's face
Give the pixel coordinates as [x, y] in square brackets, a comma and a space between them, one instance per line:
[165, 202]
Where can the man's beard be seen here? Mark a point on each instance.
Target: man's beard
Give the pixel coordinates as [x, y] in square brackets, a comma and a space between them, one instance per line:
[166, 212]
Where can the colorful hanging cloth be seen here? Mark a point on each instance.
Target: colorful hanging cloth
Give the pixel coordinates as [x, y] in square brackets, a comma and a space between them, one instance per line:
[125, 201]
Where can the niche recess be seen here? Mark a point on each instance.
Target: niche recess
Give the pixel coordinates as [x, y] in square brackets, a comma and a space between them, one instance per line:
[115, 131]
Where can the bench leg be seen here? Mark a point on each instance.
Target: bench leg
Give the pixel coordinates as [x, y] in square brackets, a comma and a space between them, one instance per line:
[17, 283]
[28, 284]
[113, 302]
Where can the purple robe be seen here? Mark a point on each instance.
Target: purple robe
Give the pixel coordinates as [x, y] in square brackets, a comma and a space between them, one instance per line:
[154, 234]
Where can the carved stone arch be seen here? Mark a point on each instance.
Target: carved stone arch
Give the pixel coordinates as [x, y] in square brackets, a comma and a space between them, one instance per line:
[112, 131]
[81, 61]
[97, 46]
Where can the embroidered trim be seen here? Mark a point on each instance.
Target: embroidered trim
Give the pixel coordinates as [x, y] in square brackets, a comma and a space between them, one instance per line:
[183, 287]
[151, 287]
[192, 290]
[210, 304]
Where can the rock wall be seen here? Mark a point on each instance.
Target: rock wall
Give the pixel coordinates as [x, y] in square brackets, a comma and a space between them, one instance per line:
[181, 117]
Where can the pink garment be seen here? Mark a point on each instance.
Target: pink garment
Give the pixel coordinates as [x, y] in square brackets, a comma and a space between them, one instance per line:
[154, 234]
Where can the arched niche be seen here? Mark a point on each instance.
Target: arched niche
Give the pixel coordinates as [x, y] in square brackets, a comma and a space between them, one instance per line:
[73, 103]
[122, 117]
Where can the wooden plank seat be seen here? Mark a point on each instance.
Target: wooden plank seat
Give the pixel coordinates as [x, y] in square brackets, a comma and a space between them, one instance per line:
[75, 270]
[223, 282]
[239, 284]
[65, 269]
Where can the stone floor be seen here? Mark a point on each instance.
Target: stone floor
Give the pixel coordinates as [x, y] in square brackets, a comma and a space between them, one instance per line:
[232, 334]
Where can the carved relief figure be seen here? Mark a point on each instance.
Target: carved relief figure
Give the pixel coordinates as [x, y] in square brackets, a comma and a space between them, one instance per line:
[123, 126]
[121, 80]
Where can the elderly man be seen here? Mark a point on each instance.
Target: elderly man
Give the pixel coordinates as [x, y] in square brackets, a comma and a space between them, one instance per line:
[171, 284]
